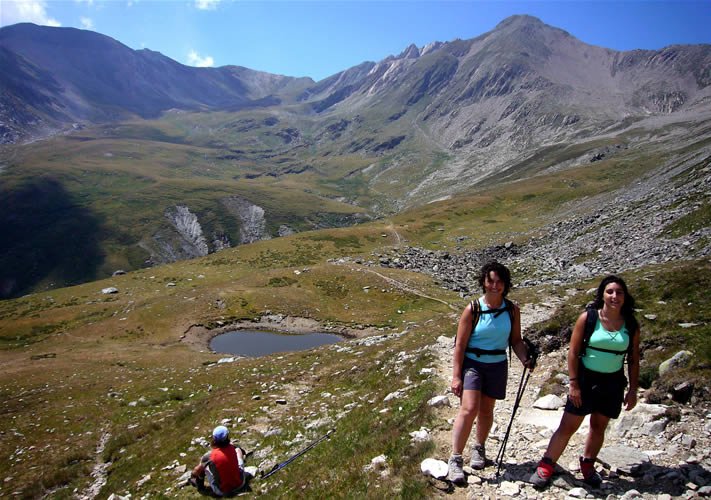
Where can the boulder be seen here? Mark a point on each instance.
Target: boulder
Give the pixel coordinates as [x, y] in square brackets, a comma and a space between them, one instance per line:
[641, 420]
[625, 459]
[679, 360]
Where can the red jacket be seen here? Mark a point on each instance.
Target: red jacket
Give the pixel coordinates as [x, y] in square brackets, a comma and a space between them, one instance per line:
[228, 475]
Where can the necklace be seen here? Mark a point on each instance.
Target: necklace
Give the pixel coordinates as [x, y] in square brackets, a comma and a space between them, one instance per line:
[611, 326]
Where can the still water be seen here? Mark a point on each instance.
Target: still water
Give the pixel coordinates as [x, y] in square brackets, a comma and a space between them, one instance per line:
[252, 343]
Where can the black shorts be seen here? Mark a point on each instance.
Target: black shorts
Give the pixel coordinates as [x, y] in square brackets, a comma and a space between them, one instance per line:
[600, 393]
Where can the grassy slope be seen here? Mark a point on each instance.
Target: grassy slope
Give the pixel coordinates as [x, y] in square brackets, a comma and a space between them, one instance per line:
[119, 181]
[74, 359]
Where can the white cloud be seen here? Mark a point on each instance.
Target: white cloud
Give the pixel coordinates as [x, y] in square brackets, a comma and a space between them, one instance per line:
[26, 11]
[87, 23]
[195, 59]
[88, 2]
[207, 4]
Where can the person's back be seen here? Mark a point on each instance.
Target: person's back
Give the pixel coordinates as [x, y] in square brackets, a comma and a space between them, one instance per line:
[223, 466]
[227, 475]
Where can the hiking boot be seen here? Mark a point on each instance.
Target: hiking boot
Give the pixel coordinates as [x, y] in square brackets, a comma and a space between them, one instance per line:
[478, 460]
[590, 475]
[543, 473]
[456, 472]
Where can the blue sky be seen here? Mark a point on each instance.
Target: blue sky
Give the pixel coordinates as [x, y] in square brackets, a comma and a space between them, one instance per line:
[320, 38]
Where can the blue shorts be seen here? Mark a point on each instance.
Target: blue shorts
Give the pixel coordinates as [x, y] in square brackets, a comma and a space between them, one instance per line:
[489, 378]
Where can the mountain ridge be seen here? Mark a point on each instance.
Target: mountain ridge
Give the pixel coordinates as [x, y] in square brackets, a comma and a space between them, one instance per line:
[146, 83]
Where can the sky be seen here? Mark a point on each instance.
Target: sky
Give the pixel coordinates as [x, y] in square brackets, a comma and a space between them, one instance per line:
[320, 38]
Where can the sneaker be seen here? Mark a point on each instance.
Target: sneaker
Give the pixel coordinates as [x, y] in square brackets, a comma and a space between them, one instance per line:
[478, 460]
[590, 475]
[543, 474]
[456, 472]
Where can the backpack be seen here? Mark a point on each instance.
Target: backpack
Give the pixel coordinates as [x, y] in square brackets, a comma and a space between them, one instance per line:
[476, 314]
[590, 323]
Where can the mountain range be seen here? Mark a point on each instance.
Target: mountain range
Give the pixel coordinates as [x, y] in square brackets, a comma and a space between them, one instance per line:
[163, 161]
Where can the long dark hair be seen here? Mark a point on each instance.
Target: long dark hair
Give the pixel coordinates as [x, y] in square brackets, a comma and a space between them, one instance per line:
[627, 306]
[499, 269]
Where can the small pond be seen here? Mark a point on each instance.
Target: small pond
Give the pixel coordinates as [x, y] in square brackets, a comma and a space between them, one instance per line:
[253, 343]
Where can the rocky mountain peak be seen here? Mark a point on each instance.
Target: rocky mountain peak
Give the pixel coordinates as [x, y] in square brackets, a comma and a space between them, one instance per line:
[411, 52]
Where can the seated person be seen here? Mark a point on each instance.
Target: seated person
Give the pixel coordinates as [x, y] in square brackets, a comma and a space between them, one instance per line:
[223, 466]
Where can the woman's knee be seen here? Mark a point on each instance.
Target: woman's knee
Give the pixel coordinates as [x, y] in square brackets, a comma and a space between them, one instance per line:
[468, 411]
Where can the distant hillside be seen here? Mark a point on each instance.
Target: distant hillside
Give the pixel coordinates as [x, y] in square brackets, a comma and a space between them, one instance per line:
[55, 76]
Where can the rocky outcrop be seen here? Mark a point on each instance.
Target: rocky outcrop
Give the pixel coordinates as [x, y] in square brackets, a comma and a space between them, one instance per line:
[252, 220]
[187, 225]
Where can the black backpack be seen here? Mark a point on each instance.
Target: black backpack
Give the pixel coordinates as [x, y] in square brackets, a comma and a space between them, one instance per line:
[476, 314]
[590, 323]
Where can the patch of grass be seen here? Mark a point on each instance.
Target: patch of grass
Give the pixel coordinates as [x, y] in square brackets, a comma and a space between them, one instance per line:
[342, 242]
[694, 221]
[335, 287]
[129, 437]
[281, 281]
[24, 336]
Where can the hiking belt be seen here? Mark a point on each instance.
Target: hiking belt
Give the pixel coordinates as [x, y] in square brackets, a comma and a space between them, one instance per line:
[479, 352]
[611, 351]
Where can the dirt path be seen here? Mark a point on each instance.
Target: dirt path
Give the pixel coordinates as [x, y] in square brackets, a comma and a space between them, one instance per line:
[99, 472]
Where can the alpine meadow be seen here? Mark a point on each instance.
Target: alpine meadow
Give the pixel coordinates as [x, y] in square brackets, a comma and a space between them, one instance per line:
[147, 207]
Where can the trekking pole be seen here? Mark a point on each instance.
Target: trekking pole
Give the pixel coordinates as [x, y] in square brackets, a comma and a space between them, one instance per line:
[519, 395]
[525, 375]
[286, 462]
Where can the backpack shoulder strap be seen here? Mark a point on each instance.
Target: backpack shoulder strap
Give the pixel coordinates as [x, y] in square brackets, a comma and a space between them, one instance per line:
[590, 323]
[476, 312]
[510, 307]
[474, 306]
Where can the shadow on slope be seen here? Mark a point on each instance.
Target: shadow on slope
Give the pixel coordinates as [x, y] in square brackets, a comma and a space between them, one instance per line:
[46, 236]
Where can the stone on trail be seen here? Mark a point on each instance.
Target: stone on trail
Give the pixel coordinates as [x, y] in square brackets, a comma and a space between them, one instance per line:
[435, 468]
[439, 401]
[509, 488]
[109, 290]
[420, 436]
[631, 494]
[625, 459]
[578, 493]
[549, 402]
